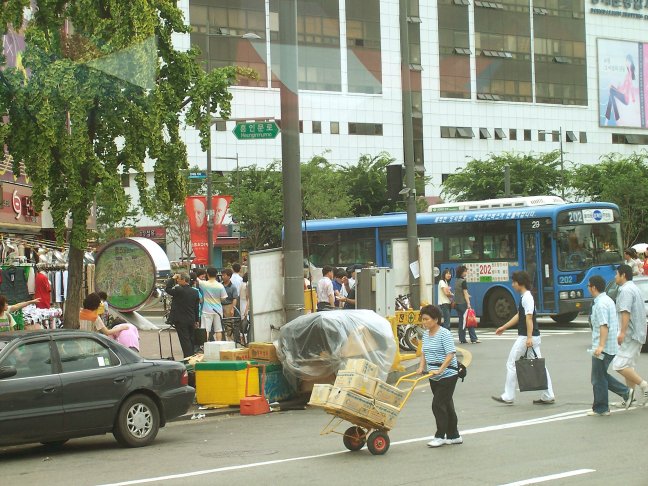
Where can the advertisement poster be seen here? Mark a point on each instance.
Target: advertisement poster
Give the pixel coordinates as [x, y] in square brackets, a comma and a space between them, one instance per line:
[196, 209]
[622, 83]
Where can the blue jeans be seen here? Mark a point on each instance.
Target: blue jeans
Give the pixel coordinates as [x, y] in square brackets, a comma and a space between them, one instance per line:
[602, 382]
[445, 310]
[461, 310]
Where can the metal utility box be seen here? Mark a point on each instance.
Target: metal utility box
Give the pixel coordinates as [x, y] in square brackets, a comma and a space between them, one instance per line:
[374, 290]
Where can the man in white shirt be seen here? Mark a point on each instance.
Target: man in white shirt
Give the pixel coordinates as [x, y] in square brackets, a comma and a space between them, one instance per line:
[237, 279]
[325, 293]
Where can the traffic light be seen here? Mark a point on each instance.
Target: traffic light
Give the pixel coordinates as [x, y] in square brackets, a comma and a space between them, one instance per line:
[394, 181]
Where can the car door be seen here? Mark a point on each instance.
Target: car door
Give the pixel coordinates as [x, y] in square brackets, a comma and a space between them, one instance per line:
[31, 408]
[94, 383]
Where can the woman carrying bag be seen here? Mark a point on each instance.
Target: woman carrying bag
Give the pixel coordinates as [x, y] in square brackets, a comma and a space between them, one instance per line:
[438, 358]
[445, 297]
[462, 302]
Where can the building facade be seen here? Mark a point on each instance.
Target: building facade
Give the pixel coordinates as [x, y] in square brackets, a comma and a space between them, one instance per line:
[486, 77]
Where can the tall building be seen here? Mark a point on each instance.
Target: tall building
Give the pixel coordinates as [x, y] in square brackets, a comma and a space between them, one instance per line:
[486, 77]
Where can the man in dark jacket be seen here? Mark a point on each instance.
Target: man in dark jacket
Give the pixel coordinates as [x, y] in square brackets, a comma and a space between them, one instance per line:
[184, 310]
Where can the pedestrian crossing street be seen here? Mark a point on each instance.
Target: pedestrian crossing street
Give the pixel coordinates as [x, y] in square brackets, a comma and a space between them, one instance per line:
[511, 334]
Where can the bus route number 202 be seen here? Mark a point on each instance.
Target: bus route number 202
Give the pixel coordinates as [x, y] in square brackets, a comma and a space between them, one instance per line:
[566, 279]
[485, 269]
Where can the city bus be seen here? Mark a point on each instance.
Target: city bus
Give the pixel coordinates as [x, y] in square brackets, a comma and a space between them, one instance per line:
[559, 244]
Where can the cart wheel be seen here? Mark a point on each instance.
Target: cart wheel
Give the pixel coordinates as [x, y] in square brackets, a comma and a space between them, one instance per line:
[354, 438]
[378, 442]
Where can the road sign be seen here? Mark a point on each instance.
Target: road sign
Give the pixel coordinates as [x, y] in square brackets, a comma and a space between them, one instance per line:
[256, 130]
[197, 175]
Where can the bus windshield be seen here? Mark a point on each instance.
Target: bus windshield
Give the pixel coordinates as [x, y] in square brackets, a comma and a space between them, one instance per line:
[583, 245]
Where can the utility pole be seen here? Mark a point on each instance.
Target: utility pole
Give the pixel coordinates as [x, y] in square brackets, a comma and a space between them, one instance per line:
[408, 145]
[290, 161]
[210, 209]
[507, 181]
[562, 167]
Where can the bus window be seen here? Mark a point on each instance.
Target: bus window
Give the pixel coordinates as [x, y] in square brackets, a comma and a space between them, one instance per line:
[464, 248]
[581, 246]
[358, 246]
[323, 248]
[438, 250]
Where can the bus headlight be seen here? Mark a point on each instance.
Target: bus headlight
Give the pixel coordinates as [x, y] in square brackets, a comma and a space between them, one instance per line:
[564, 295]
[572, 294]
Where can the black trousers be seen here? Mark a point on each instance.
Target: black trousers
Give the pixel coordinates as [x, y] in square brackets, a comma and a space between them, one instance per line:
[185, 336]
[615, 94]
[443, 407]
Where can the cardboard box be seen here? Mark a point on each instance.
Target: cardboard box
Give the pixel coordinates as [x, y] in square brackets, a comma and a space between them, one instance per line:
[350, 380]
[362, 366]
[386, 413]
[350, 401]
[263, 352]
[389, 394]
[214, 348]
[306, 385]
[235, 355]
[320, 395]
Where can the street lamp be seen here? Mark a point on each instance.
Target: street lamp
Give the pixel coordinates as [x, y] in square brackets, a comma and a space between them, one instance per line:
[210, 209]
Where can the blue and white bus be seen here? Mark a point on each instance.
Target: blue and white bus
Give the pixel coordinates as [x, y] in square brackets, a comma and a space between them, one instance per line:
[560, 245]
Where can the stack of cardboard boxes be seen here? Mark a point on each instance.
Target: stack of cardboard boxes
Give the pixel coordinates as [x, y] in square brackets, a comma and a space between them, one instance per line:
[358, 391]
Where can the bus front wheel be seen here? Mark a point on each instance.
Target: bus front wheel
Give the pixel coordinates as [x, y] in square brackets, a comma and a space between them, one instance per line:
[501, 307]
[565, 318]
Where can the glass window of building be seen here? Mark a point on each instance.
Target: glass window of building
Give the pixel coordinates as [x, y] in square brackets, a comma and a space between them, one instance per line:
[454, 50]
[559, 56]
[335, 128]
[503, 50]
[218, 27]
[317, 127]
[364, 62]
[318, 36]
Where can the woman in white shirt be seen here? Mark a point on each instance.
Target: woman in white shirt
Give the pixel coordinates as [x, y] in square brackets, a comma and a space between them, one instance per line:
[445, 296]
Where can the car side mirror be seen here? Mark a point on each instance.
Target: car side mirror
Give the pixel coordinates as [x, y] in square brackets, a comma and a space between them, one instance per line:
[7, 372]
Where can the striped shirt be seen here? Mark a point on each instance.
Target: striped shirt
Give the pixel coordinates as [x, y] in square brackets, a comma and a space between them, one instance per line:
[213, 294]
[436, 348]
[604, 314]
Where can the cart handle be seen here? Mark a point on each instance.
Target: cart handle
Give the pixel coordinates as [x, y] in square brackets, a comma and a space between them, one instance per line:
[406, 378]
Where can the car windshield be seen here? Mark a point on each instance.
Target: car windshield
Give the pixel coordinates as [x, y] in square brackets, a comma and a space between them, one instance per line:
[581, 246]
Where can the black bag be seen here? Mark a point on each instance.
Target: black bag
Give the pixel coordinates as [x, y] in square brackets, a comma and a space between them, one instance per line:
[531, 372]
[461, 370]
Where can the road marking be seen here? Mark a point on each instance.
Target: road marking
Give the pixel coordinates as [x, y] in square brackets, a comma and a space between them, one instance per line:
[551, 477]
[523, 423]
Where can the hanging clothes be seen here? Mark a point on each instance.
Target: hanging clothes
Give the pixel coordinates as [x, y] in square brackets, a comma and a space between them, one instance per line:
[14, 284]
[31, 281]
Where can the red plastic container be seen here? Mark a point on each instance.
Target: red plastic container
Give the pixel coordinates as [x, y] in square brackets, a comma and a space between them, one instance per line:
[255, 404]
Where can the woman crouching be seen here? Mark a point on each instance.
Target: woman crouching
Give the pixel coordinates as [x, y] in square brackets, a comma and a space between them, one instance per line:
[438, 359]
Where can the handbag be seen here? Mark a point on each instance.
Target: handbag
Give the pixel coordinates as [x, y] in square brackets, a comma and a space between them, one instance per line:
[461, 369]
[531, 372]
[470, 319]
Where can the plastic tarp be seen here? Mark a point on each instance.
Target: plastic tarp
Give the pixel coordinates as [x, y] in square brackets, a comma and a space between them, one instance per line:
[319, 344]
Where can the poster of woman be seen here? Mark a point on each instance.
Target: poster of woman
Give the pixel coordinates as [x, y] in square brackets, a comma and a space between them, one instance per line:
[620, 67]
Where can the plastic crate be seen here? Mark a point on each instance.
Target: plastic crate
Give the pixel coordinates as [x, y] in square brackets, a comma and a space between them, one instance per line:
[223, 382]
[277, 387]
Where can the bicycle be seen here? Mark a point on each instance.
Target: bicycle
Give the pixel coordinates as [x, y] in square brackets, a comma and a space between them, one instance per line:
[235, 329]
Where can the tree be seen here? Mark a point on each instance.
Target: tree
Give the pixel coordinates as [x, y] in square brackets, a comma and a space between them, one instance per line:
[366, 183]
[93, 105]
[618, 179]
[531, 175]
[324, 190]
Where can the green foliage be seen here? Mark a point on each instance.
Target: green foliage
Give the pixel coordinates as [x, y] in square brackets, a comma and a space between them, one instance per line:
[531, 175]
[324, 190]
[619, 179]
[366, 182]
[100, 102]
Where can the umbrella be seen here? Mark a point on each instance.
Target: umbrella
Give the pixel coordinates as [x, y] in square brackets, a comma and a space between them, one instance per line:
[640, 247]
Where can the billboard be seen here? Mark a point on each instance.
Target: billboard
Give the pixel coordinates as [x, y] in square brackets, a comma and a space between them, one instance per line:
[623, 83]
[196, 209]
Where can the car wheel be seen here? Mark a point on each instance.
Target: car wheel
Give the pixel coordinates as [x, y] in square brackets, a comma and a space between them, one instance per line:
[138, 422]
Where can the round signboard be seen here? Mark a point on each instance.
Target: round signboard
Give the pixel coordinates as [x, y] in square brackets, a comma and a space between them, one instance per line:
[126, 269]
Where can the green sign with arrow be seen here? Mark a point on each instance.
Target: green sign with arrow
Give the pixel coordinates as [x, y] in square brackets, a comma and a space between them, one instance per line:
[256, 130]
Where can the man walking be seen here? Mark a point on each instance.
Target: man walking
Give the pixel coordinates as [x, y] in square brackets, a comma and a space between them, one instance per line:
[632, 332]
[605, 327]
[184, 310]
[213, 294]
[528, 337]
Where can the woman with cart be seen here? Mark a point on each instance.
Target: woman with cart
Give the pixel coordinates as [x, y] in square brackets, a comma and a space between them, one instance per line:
[439, 360]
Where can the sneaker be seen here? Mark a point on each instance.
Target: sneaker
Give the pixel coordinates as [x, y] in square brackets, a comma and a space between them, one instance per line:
[544, 402]
[501, 400]
[592, 413]
[630, 399]
[436, 442]
[644, 397]
[475, 342]
[456, 440]
[622, 404]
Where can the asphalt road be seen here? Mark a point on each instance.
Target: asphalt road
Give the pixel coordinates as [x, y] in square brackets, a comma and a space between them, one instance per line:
[519, 444]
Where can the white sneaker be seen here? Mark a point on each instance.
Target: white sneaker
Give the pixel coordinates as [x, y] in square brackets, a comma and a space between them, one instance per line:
[436, 442]
[643, 395]
[592, 413]
[457, 440]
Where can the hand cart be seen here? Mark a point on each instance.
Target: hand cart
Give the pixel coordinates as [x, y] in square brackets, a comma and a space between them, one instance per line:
[365, 430]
